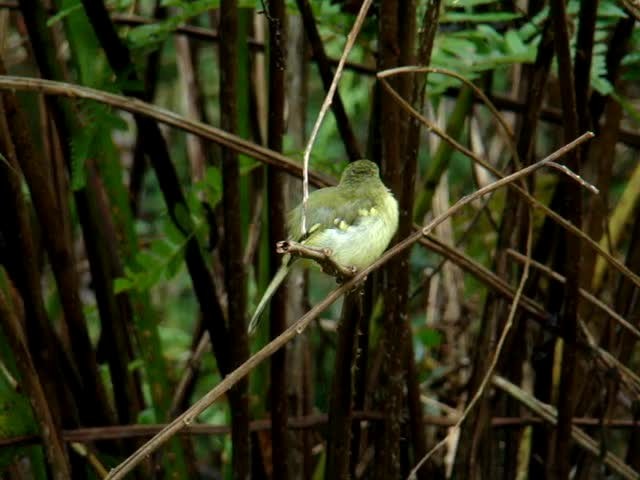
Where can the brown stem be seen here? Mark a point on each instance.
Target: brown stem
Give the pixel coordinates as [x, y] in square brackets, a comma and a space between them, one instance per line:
[428, 30]
[232, 251]
[50, 214]
[54, 448]
[277, 194]
[559, 466]
[20, 261]
[321, 256]
[340, 402]
[397, 25]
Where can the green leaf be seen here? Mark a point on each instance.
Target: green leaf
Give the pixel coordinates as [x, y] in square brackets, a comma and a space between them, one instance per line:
[161, 260]
[173, 234]
[16, 417]
[136, 364]
[213, 185]
[489, 33]
[430, 337]
[151, 277]
[489, 17]
[174, 265]
[63, 13]
[611, 10]
[534, 27]
[163, 248]
[149, 35]
[98, 119]
[146, 260]
[468, 3]
[122, 284]
[183, 218]
[514, 42]
[627, 106]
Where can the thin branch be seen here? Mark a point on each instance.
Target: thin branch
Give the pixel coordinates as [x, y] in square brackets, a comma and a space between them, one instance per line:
[609, 362]
[306, 422]
[190, 415]
[165, 116]
[549, 414]
[494, 361]
[586, 295]
[351, 38]
[623, 269]
[185, 385]
[575, 177]
[322, 256]
[324, 67]
[479, 94]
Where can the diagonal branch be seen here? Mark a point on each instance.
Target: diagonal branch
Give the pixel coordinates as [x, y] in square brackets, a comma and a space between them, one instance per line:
[189, 416]
[566, 224]
[135, 106]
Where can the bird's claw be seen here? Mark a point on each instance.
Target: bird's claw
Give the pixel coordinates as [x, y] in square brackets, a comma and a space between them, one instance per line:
[283, 246]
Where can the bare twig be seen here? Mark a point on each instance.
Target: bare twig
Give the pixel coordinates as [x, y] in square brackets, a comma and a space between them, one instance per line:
[323, 256]
[186, 381]
[577, 178]
[351, 38]
[324, 68]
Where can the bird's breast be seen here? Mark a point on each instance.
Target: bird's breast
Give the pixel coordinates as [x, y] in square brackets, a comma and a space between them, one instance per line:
[363, 242]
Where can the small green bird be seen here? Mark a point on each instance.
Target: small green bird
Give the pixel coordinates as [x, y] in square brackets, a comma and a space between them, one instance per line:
[354, 220]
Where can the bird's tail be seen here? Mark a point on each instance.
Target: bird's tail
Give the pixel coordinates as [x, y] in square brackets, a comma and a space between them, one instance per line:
[280, 275]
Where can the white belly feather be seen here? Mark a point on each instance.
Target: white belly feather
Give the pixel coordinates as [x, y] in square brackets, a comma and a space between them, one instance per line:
[362, 243]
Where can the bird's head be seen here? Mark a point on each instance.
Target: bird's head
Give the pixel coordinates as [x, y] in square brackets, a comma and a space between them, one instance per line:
[358, 172]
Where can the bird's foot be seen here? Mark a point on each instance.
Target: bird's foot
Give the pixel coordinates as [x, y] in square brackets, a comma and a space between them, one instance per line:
[323, 256]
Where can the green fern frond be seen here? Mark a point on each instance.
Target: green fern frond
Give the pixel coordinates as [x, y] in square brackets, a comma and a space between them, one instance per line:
[85, 144]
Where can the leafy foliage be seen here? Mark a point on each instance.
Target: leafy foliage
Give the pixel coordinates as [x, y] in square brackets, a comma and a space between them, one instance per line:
[90, 141]
[164, 256]
[16, 417]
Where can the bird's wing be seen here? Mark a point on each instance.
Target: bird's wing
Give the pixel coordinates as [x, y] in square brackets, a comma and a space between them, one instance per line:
[328, 208]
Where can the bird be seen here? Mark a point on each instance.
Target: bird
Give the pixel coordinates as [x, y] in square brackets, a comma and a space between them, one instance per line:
[353, 221]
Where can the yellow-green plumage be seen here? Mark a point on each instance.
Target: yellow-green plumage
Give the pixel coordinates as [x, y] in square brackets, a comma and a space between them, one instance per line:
[356, 220]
